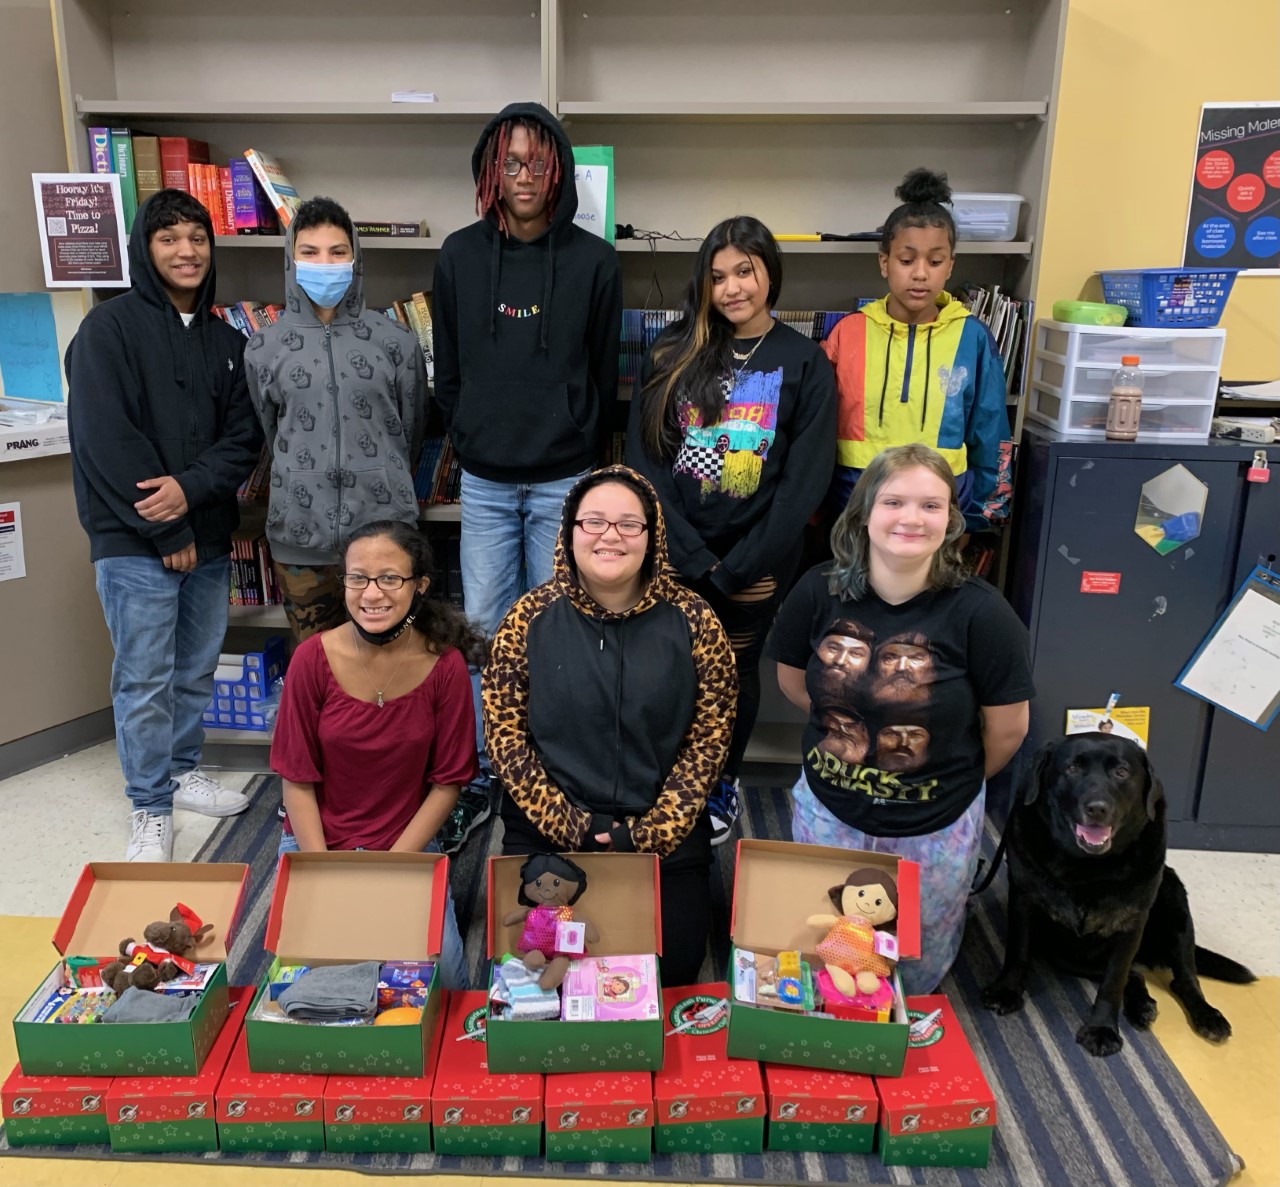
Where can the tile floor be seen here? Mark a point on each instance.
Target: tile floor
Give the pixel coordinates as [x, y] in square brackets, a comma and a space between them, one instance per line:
[59, 816]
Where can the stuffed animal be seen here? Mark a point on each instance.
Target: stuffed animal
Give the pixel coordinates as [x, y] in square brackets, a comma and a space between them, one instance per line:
[867, 899]
[549, 886]
[166, 953]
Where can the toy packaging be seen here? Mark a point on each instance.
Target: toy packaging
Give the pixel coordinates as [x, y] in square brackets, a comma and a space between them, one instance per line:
[554, 1011]
[940, 1111]
[54, 1110]
[475, 1111]
[812, 1109]
[352, 991]
[599, 1119]
[164, 995]
[703, 1101]
[811, 987]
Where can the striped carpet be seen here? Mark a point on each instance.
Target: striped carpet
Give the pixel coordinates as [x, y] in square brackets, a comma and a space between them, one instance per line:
[1065, 1119]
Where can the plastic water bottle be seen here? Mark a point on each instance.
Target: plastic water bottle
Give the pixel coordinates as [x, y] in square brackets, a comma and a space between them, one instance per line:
[1124, 410]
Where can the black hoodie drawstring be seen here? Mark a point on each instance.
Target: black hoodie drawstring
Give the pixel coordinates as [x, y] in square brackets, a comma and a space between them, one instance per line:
[928, 352]
[547, 284]
[884, 387]
[495, 271]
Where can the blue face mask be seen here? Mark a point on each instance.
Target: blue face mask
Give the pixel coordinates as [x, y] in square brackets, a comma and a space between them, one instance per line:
[325, 284]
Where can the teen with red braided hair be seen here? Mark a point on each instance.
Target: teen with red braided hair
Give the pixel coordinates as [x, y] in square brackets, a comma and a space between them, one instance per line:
[527, 312]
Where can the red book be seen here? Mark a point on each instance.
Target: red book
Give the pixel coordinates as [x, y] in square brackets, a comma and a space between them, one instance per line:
[176, 153]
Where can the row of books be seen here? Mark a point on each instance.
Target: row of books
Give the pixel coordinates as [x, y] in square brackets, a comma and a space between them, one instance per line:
[249, 316]
[253, 580]
[1010, 320]
[446, 548]
[254, 488]
[438, 478]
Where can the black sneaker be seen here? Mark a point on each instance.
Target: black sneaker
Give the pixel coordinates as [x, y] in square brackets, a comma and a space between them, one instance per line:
[724, 809]
[472, 810]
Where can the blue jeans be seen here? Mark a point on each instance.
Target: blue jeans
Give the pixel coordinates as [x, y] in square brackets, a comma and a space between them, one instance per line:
[166, 629]
[453, 961]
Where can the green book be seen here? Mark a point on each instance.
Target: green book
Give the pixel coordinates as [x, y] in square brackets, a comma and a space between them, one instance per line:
[122, 157]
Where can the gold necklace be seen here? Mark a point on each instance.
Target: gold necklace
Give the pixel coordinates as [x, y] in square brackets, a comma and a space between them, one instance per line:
[378, 691]
[745, 360]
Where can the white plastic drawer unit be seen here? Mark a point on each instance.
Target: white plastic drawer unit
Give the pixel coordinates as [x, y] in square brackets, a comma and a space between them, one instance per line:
[1182, 385]
[1086, 416]
[1157, 347]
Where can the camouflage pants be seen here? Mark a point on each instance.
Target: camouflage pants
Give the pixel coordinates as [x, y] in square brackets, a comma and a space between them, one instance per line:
[312, 598]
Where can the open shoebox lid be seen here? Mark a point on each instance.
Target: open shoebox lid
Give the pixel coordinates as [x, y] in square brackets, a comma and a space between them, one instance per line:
[354, 905]
[622, 899]
[115, 899]
[777, 885]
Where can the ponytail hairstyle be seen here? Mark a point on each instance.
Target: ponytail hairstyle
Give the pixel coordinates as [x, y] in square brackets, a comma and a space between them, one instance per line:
[693, 357]
[496, 147]
[442, 624]
[922, 194]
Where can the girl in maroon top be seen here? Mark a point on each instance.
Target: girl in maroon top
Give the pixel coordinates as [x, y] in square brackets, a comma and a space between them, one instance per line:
[376, 730]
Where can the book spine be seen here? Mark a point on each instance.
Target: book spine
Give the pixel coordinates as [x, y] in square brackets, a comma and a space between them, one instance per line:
[284, 198]
[122, 161]
[244, 201]
[426, 339]
[227, 202]
[146, 166]
[391, 230]
[176, 154]
[100, 151]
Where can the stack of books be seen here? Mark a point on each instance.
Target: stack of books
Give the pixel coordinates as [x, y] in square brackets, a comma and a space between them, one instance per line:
[253, 580]
[1010, 320]
[438, 478]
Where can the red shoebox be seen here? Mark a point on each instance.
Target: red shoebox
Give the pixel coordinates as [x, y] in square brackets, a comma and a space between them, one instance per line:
[148, 1113]
[54, 1110]
[598, 1117]
[268, 1110]
[810, 1109]
[703, 1101]
[379, 1114]
[940, 1111]
[474, 1110]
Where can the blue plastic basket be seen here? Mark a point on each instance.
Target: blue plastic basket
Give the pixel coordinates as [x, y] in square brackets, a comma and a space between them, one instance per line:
[1192, 298]
[237, 704]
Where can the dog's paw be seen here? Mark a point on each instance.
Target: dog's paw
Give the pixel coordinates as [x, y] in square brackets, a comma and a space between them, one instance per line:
[1099, 1040]
[1001, 999]
[1141, 1011]
[1210, 1024]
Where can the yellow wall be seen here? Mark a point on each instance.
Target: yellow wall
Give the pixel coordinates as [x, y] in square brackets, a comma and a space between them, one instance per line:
[1134, 74]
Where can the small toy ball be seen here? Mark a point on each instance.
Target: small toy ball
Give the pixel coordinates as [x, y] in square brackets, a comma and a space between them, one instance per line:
[400, 1016]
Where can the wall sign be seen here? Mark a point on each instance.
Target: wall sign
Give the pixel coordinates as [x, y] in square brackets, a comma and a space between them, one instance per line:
[82, 236]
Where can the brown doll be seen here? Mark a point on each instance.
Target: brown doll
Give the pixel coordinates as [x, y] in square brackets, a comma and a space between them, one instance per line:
[167, 952]
[549, 886]
[867, 899]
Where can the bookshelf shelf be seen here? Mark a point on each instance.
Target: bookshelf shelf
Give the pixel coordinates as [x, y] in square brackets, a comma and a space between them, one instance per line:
[367, 242]
[269, 111]
[257, 616]
[440, 513]
[837, 247]
[657, 111]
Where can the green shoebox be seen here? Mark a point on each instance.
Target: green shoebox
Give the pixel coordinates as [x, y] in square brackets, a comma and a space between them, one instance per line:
[777, 886]
[818, 1110]
[591, 1118]
[622, 899]
[112, 901]
[54, 1110]
[344, 907]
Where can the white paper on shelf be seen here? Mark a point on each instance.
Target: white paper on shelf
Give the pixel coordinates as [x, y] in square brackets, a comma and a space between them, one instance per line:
[1268, 392]
[413, 96]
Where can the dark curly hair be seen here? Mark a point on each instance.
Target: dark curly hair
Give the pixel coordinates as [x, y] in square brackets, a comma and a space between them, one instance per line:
[550, 863]
[925, 197]
[442, 624]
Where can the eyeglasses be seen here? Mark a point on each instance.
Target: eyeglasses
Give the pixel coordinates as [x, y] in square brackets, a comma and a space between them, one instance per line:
[387, 581]
[598, 525]
[511, 167]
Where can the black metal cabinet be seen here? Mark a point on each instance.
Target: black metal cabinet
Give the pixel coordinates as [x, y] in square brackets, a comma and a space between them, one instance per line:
[1077, 503]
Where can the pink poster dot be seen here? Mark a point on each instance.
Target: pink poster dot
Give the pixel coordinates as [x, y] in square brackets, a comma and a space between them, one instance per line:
[1271, 170]
[1214, 169]
[1246, 192]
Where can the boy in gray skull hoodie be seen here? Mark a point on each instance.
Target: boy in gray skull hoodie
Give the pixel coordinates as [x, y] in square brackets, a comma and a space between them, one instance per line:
[342, 395]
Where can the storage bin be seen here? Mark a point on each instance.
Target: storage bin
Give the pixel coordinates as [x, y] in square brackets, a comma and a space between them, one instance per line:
[990, 217]
[1195, 386]
[1188, 297]
[237, 700]
[1156, 347]
[1086, 416]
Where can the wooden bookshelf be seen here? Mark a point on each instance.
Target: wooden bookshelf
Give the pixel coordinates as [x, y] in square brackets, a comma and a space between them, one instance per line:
[267, 111]
[658, 111]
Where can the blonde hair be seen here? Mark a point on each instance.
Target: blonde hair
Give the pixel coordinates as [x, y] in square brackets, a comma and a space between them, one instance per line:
[850, 545]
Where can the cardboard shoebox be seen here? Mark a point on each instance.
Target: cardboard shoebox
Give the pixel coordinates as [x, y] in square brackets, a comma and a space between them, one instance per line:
[813, 1109]
[777, 886]
[112, 901]
[704, 1102]
[622, 900]
[594, 1118]
[150, 1113]
[940, 1111]
[267, 1110]
[383, 1114]
[54, 1110]
[343, 908]
[474, 1110]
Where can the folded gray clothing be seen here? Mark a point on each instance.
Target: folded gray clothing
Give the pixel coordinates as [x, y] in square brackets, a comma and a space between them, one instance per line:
[332, 992]
[142, 1005]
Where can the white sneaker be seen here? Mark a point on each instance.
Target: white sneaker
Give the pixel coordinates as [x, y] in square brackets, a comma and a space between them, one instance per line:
[198, 793]
[150, 837]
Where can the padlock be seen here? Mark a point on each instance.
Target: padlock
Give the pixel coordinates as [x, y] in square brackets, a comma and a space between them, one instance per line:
[1258, 472]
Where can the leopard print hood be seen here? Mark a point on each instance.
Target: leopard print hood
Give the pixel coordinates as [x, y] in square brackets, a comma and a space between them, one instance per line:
[565, 571]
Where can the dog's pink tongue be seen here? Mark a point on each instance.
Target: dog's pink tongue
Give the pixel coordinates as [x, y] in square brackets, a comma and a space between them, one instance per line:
[1094, 834]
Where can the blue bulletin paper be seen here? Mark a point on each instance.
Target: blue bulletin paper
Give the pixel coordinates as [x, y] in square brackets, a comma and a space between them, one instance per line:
[29, 360]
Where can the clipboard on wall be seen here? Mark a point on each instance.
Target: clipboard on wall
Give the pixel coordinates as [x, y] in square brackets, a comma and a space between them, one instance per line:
[1237, 667]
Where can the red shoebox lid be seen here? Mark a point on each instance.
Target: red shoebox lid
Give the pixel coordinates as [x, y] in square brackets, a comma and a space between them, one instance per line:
[820, 1097]
[180, 1098]
[385, 1100]
[698, 1080]
[52, 1096]
[465, 1092]
[941, 1086]
[244, 1095]
[593, 1100]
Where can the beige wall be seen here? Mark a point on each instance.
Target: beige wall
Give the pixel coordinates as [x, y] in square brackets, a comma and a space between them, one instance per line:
[1134, 74]
[57, 656]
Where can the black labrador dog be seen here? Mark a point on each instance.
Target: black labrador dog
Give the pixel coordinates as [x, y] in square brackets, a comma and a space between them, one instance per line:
[1089, 891]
